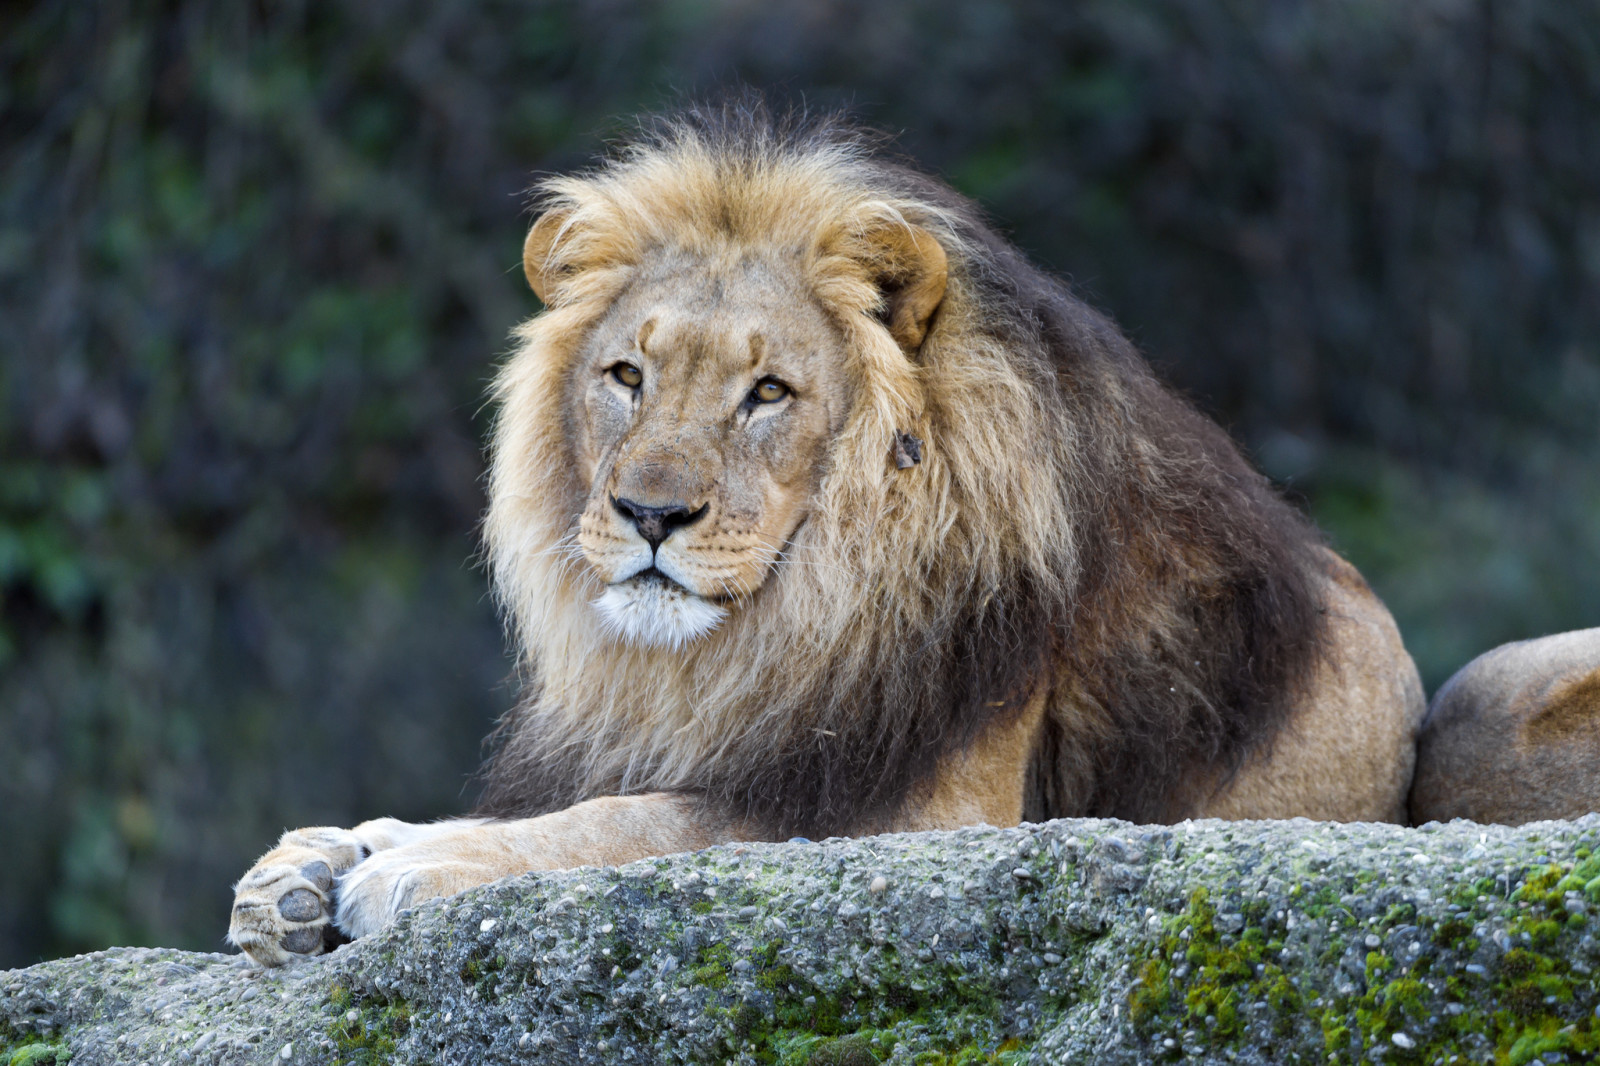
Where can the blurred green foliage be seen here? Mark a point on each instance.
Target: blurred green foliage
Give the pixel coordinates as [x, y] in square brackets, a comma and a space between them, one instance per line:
[257, 260]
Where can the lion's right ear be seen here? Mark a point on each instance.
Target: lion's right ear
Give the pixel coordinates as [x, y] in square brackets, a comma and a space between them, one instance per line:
[912, 272]
[536, 261]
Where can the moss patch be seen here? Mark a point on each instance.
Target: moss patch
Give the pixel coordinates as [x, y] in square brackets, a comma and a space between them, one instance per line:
[1448, 1001]
[711, 971]
[19, 1049]
[1213, 976]
[366, 1030]
[777, 1016]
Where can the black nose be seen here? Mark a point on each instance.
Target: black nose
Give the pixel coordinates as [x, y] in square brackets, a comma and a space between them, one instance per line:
[655, 524]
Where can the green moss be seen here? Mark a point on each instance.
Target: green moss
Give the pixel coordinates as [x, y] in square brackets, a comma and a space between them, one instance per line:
[772, 976]
[839, 1051]
[1009, 1052]
[31, 1049]
[1531, 1003]
[869, 1046]
[1152, 992]
[1526, 1010]
[40, 1054]
[1452, 932]
[779, 1017]
[1218, 976]
[712, 971]
[1390, 1007]
[485, 972]
[1335, 1034]
[370, 1039]
[1521, 1009]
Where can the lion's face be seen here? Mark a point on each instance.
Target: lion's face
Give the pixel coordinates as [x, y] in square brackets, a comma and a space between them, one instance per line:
[701, 409]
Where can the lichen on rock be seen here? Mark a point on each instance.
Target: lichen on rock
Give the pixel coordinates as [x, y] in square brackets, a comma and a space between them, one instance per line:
[1078, 940]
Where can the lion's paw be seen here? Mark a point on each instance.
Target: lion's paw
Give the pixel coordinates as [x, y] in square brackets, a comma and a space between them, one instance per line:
[283, 907]
[374, 893]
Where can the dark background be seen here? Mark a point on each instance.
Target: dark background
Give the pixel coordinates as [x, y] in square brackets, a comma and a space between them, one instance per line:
[257, 262]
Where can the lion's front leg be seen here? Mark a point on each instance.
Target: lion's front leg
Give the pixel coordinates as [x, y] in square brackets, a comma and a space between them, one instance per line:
[598, 832]
[283, 907]
[284, 911]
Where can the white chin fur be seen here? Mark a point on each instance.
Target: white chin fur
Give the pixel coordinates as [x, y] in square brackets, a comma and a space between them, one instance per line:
[656, 614]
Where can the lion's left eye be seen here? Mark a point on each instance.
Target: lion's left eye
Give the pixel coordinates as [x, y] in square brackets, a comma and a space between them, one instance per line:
[768, 390]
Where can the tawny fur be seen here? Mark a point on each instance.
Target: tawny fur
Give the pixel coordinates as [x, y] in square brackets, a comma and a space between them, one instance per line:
[1081, 600]
[1514, 736]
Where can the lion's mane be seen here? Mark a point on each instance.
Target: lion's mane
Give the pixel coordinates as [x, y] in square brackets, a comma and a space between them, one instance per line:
[1072, 523]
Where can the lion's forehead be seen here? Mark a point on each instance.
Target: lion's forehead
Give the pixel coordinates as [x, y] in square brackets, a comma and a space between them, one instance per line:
[707, 329]
[726, 299]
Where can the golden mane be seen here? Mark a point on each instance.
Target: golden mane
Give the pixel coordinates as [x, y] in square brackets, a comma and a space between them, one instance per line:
[1070, 518]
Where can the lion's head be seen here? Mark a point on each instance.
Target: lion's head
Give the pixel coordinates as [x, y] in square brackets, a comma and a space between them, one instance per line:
[709, 372]
[703, 403]
[804, 476]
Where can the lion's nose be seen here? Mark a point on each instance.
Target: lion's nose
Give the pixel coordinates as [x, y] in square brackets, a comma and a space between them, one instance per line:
[655, 524]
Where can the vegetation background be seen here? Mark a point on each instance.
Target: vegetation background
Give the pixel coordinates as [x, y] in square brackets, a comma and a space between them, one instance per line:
[258, 260]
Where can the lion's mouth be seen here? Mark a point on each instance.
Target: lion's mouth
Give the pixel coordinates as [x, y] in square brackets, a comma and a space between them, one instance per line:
[652, 609]
[650, 574]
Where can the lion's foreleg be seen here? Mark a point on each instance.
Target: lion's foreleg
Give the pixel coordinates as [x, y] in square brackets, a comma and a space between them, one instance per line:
[982, 785]
[320, 883]
[599, 832]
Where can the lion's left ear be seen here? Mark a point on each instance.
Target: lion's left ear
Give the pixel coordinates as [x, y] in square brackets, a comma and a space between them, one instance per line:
[912, 271]
[536, 253]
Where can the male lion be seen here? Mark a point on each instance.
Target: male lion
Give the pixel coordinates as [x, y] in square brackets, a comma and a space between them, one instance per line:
[816, 509]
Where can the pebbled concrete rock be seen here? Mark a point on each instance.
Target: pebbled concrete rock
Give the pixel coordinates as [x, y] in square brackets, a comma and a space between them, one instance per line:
[1073, 941]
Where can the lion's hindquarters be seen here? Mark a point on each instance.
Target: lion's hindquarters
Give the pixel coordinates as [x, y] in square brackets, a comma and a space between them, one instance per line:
[1514, 736]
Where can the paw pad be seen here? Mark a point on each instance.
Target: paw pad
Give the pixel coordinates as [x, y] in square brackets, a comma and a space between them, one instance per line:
[318, 874]
[283, 907]
[301, 905]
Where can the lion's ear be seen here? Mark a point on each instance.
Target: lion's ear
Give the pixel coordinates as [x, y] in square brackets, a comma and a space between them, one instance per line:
[536, 252]
[912, 272]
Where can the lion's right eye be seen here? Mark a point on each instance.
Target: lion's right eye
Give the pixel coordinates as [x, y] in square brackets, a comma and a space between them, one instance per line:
[628, 374]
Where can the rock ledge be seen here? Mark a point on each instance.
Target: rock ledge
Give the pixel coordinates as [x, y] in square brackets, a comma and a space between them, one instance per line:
[1080, 940]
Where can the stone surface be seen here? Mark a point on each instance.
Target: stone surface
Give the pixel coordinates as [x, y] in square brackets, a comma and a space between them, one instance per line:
[1074, 941]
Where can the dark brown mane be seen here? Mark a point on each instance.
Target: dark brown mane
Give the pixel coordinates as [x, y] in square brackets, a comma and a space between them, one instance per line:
[1198, 533]
[1193, 620]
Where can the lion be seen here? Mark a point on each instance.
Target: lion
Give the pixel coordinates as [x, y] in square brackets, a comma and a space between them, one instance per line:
[816, 509]
[1514, 736]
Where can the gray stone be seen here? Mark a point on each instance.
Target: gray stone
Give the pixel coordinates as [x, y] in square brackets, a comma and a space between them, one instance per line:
[1074, 941]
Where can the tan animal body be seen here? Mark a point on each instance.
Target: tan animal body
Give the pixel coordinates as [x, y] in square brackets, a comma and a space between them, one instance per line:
[815, 509]
[1514, 736]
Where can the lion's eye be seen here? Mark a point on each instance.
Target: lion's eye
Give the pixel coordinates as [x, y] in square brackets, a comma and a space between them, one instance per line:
[768, 390]
[628, 374]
